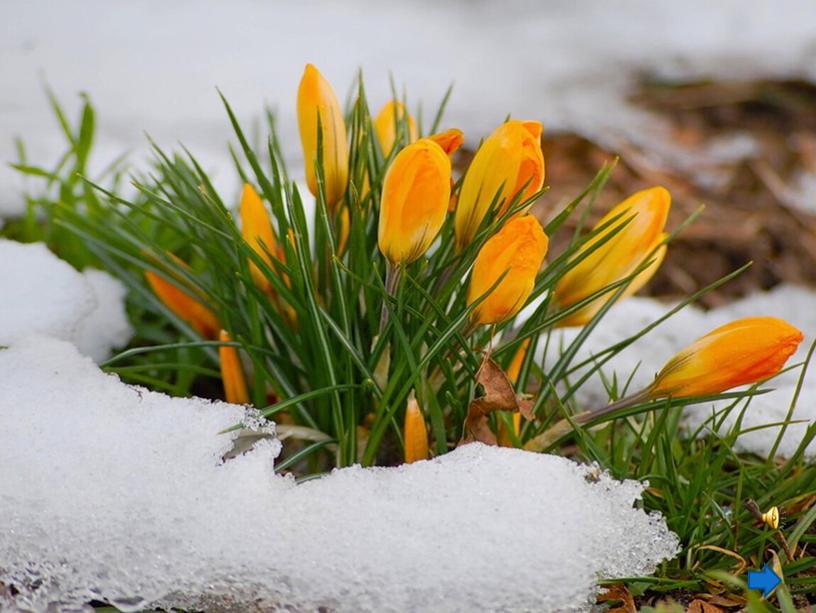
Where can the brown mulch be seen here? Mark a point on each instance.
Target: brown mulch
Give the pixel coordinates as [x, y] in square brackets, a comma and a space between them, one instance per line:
[749, 212]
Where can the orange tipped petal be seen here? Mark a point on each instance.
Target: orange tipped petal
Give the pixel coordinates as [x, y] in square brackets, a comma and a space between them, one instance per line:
[415, 197]
[232, 374]
[449, 140]
[415, 434]
[316, 98]
[518, 249]
[742, 352]
[535, 128]
[200, 318]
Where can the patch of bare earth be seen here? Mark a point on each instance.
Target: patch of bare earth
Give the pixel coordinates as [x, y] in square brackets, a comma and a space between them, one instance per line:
[753, 211]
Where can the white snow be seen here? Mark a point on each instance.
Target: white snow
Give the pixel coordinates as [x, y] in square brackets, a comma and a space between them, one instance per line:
[117, 493]
[45, 295]
[568, 64]
[647, 355]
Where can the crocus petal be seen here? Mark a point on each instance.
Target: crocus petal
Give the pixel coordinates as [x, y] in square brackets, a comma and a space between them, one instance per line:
[618, 257]
[742, 352]
[316, 99]
[509, 161]
[256, 228]
[232, 374]
[185, 307]
[449, 140]
[517, 252]
[415, 433]
[415, 197]
[387, 122]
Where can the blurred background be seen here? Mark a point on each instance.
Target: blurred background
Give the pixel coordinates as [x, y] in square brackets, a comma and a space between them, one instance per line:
[714, 100]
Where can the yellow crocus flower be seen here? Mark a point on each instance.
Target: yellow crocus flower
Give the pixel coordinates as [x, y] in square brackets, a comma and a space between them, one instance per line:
[509, 161]
[415, 196]
[232, 374]
[619, 256]
[518, 250]
[415, 433]
[256, 228]
[316, 99]
[184, 305]
[386, 123]
[742, 352]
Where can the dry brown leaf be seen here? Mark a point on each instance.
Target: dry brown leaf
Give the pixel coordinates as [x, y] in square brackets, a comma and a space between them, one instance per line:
[701, 606]
[723, 600]
[499, 396]
[618, 593]
[741, 563]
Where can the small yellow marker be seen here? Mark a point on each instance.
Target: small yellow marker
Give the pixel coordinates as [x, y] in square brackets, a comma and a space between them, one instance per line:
[771, 518]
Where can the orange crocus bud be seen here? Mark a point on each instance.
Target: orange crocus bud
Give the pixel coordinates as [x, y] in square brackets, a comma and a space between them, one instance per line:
[185, 306]
[742, 352]
[235, 388]
[389, 120]
[316, 99]
[415, 433]
[415, 196]
[515, 253]
[619, 256]
[256, 228]
[509, 161]
[449, 140]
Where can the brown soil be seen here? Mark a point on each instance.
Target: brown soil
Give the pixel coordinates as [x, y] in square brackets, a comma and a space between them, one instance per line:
[749, 212]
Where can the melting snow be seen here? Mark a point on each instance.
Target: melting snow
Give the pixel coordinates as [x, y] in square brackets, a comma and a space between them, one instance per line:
[45, 295]
[117, 493]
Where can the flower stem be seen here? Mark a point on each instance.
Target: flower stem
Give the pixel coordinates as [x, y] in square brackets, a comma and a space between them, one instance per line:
[563, 427]
[392, 274]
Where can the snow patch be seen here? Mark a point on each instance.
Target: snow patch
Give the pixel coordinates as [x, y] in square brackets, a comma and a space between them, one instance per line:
[45, 295]
[117, 493]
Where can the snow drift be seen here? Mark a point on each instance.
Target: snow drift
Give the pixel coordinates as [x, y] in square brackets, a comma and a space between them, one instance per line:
[116, 493]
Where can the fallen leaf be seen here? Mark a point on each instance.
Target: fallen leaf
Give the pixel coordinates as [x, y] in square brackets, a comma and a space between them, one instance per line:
[727, 601]
[618, 593]
[499, 396]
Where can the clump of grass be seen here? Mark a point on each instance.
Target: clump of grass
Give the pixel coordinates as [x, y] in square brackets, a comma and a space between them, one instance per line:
[339, 341]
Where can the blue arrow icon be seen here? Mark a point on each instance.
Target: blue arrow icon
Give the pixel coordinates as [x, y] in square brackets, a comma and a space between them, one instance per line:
[765, 580]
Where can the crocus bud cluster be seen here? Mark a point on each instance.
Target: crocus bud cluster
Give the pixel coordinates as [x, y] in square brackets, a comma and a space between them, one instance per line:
[489, 237]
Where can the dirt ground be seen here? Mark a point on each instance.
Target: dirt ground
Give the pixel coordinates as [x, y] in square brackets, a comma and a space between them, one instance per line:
[750, 203]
